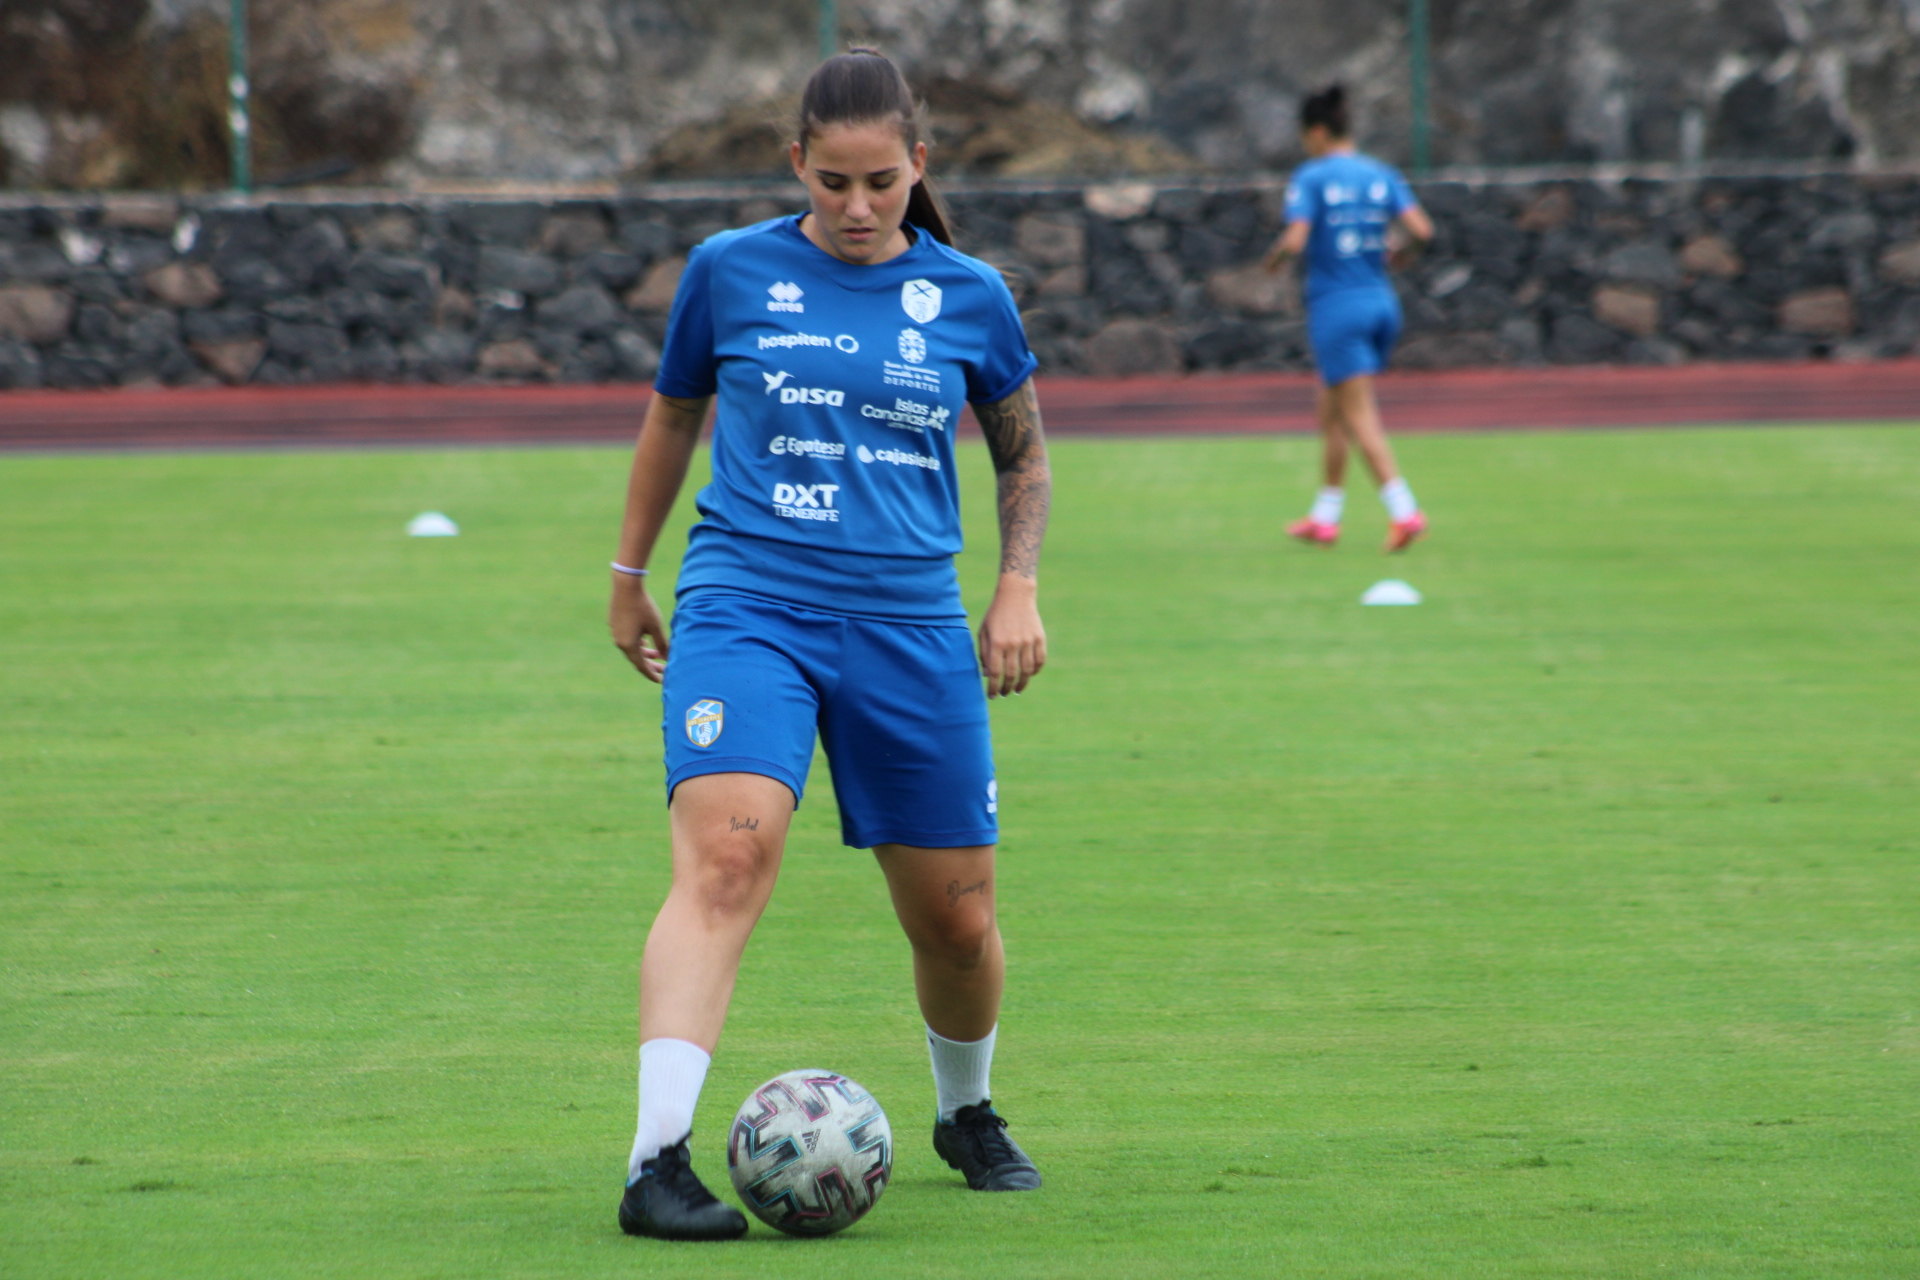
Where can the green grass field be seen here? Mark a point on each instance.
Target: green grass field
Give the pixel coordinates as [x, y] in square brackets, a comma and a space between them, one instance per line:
[1567, 925]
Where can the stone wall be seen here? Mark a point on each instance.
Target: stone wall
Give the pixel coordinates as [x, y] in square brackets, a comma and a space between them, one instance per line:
[109, 93]
[1112, 279]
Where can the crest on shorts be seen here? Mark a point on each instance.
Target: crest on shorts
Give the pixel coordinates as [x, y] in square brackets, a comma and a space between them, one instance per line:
[705, 719]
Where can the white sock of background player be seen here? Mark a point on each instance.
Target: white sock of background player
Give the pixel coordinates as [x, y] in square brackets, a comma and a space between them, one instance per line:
[1328, 505]
[671, 1073]
[960, 1070]
[1398, 500]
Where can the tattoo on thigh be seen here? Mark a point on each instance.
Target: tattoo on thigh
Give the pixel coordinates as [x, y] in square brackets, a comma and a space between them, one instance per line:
[743, 824]
[955, 892]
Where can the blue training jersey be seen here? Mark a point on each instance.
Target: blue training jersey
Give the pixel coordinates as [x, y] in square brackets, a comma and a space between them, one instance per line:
[1351, 200]
[839, 390]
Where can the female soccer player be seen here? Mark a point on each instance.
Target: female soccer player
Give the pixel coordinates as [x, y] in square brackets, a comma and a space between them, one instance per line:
[818, 593]
[1340, 208]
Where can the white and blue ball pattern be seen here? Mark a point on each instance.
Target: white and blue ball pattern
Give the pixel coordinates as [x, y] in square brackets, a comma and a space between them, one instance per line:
[810, 1152]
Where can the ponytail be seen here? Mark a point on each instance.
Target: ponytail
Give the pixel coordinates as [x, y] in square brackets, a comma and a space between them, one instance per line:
[862, 86]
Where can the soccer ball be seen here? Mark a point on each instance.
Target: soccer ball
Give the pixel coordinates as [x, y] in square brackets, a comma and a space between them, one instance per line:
[810, 1152]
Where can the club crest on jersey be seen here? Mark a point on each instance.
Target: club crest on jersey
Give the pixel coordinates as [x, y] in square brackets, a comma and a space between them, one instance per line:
[913, 346]
[921, 300]
[705, 719]
[787, 295]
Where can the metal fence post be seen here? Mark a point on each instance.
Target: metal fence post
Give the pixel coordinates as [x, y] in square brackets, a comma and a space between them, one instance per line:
[1417, 52]
[239, 115]
[829, 29]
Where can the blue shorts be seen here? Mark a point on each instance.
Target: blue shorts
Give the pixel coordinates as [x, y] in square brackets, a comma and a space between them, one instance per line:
[1353, 332]
[899, 707]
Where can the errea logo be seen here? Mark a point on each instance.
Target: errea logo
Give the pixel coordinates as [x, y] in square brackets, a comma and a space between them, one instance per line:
[786, 296]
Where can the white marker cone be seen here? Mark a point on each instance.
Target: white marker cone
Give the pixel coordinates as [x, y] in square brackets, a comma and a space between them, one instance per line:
[431, 524]
[1390, 591]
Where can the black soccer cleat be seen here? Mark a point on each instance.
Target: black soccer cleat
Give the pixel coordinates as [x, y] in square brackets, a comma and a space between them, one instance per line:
[975, 1142]
[669, 1202]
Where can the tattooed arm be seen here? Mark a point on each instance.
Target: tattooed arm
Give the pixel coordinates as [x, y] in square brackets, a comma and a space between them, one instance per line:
[1013, 644]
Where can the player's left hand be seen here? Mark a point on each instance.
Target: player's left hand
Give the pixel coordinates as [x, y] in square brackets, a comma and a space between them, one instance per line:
[1013, 644]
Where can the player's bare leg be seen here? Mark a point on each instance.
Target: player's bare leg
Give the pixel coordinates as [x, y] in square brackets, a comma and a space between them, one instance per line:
[944, 899]
[1360, 410]
[729, 830]
[1333, 438]
[1322, 524]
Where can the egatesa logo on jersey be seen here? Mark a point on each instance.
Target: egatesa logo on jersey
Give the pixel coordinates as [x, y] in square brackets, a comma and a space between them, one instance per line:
[787, 295]
[921, 299]
[806, 502]
[705, 719]
[825, 450]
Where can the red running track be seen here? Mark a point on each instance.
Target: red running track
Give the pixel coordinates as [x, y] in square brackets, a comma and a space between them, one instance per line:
[1467, 400]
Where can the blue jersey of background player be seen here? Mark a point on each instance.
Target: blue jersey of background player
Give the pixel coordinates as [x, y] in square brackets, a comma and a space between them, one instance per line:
[818, 596]
[1344, 212]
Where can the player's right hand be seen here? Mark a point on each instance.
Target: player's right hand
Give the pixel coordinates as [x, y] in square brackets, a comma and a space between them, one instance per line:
[638, 630]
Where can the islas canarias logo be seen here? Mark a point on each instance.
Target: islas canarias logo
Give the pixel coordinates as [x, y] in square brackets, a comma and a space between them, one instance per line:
[705, 719]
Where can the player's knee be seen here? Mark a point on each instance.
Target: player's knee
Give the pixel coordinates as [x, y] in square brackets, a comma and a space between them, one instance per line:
[961, 938]
[731, 877]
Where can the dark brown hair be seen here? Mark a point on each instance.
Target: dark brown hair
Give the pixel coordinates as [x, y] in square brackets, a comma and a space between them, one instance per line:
[862, 86]
[1328, 109]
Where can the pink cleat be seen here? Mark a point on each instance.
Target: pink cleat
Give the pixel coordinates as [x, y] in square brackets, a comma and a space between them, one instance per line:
[1314, 531]
[1401, 533]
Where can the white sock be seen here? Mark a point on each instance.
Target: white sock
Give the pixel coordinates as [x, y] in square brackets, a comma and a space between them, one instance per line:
[1398, 499]
[960, 1070]
[1328, 504]
[671, 1073]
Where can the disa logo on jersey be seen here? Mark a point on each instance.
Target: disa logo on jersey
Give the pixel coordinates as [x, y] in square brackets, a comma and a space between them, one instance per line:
[921, 300]
[786, 297]
[801, 395]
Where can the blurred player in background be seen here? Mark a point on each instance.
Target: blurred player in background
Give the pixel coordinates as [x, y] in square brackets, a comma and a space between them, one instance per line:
[818, 596]
[1349, 214]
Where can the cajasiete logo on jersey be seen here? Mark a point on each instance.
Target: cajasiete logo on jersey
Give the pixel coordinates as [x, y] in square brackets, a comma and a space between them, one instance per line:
[786, 296]
[898, 457]
[705, 719]
[921, 300]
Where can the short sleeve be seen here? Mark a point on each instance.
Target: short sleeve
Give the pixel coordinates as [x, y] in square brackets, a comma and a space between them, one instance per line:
[688, 367]
[1401, 197]
[1005, 362]
[1302, 202]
